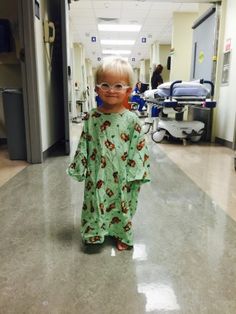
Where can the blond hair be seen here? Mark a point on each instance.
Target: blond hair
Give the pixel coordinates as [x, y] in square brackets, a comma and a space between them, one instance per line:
[117, 65]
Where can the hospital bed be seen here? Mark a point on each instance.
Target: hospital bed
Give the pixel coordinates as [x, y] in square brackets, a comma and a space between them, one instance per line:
[173, 98]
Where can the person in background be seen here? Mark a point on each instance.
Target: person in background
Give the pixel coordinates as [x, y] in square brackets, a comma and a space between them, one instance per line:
[137, 89]
[156, 78]
[136, 97]
[112, 158]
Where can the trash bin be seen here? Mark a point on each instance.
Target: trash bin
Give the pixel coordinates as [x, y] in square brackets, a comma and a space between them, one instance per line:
[15, 123]
[204, 115]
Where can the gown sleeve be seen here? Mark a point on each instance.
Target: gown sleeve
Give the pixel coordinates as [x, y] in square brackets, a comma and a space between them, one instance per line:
[78, 167]
[138, 165]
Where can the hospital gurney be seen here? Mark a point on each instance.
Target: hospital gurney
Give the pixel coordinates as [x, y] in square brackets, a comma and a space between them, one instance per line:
[174, 98]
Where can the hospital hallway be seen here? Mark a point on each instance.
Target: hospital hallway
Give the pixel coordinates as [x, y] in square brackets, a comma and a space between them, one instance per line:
[183, 260]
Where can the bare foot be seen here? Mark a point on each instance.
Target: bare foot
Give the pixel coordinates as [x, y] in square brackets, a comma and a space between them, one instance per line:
[122, 246]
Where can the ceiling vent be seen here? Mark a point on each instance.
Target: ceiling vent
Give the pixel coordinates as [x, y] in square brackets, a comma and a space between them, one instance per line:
[107, 20]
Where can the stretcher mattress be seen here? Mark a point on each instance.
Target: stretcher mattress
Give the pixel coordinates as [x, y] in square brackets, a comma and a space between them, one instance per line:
[194, 89]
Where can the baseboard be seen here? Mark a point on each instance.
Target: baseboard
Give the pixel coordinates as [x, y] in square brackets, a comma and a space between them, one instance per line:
[57, 149]
[223, 142]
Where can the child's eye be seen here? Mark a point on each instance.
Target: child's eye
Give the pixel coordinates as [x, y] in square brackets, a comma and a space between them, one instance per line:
[105, 86]
[118, 87]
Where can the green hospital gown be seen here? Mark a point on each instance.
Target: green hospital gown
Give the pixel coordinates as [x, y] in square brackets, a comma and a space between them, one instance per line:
[112, 158]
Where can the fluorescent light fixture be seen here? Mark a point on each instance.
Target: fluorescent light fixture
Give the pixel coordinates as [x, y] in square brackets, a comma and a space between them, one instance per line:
[119, 28]
[117, 42]
[125, 58]
[116, 52]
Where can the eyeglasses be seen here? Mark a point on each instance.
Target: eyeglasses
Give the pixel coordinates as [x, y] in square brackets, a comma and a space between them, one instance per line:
[118, 87]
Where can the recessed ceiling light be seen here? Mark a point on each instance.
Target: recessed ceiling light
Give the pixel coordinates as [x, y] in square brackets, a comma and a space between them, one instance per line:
[119, 28]
[116, 52]
[126, 42]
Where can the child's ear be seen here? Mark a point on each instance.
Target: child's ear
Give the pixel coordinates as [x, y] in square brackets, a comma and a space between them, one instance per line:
[129, 90]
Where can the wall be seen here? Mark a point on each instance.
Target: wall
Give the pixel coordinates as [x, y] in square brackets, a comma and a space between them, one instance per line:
[90, 83]
[226, 108]
[164, 53]
[49, 73]
[43, 75]
[182, 45]
[10, 69]
[203, 7]
[136, 75]
[154, 55]
[154, 58]
[71, 83]
[144, 71]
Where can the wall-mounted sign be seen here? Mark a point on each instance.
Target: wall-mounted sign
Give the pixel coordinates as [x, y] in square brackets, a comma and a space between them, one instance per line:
[228, 44]
[93, 39]
[226, 68]
[144, 40]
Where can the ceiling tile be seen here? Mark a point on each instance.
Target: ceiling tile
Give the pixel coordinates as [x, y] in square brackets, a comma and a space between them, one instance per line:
[155, 16]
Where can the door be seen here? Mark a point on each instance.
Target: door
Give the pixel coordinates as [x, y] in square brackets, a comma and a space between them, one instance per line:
[205, 32]
[29, 81]
[204, 50]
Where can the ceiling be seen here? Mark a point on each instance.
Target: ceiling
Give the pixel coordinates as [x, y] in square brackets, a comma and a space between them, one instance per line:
[155, 17]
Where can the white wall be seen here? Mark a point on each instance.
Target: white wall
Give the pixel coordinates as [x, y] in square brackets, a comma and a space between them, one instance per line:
[164, 53]
[136, 75]
[48, 98]
[144, 70]
[182, 45]
[154, 56]
[43, 77]
[158, 55]
[226, 107]
[203, 7]
[90, 82]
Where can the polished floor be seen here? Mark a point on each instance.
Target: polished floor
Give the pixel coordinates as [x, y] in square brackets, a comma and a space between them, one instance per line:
[184, 257]
[9, 168]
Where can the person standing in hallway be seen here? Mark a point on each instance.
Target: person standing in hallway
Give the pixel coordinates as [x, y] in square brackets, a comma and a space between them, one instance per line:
[112, 158]
[156, 77]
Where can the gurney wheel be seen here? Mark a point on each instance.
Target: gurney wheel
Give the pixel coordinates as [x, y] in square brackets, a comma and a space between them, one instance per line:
[158, 135]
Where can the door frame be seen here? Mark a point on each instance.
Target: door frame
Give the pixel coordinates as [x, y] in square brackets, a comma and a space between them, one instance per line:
[64, 45]
[26, 16]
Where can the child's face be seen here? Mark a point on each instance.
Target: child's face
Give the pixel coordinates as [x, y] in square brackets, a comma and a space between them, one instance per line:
[112, 98]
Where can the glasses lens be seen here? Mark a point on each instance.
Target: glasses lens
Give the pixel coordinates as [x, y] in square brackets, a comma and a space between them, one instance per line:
[117, 87]
[105, 86]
